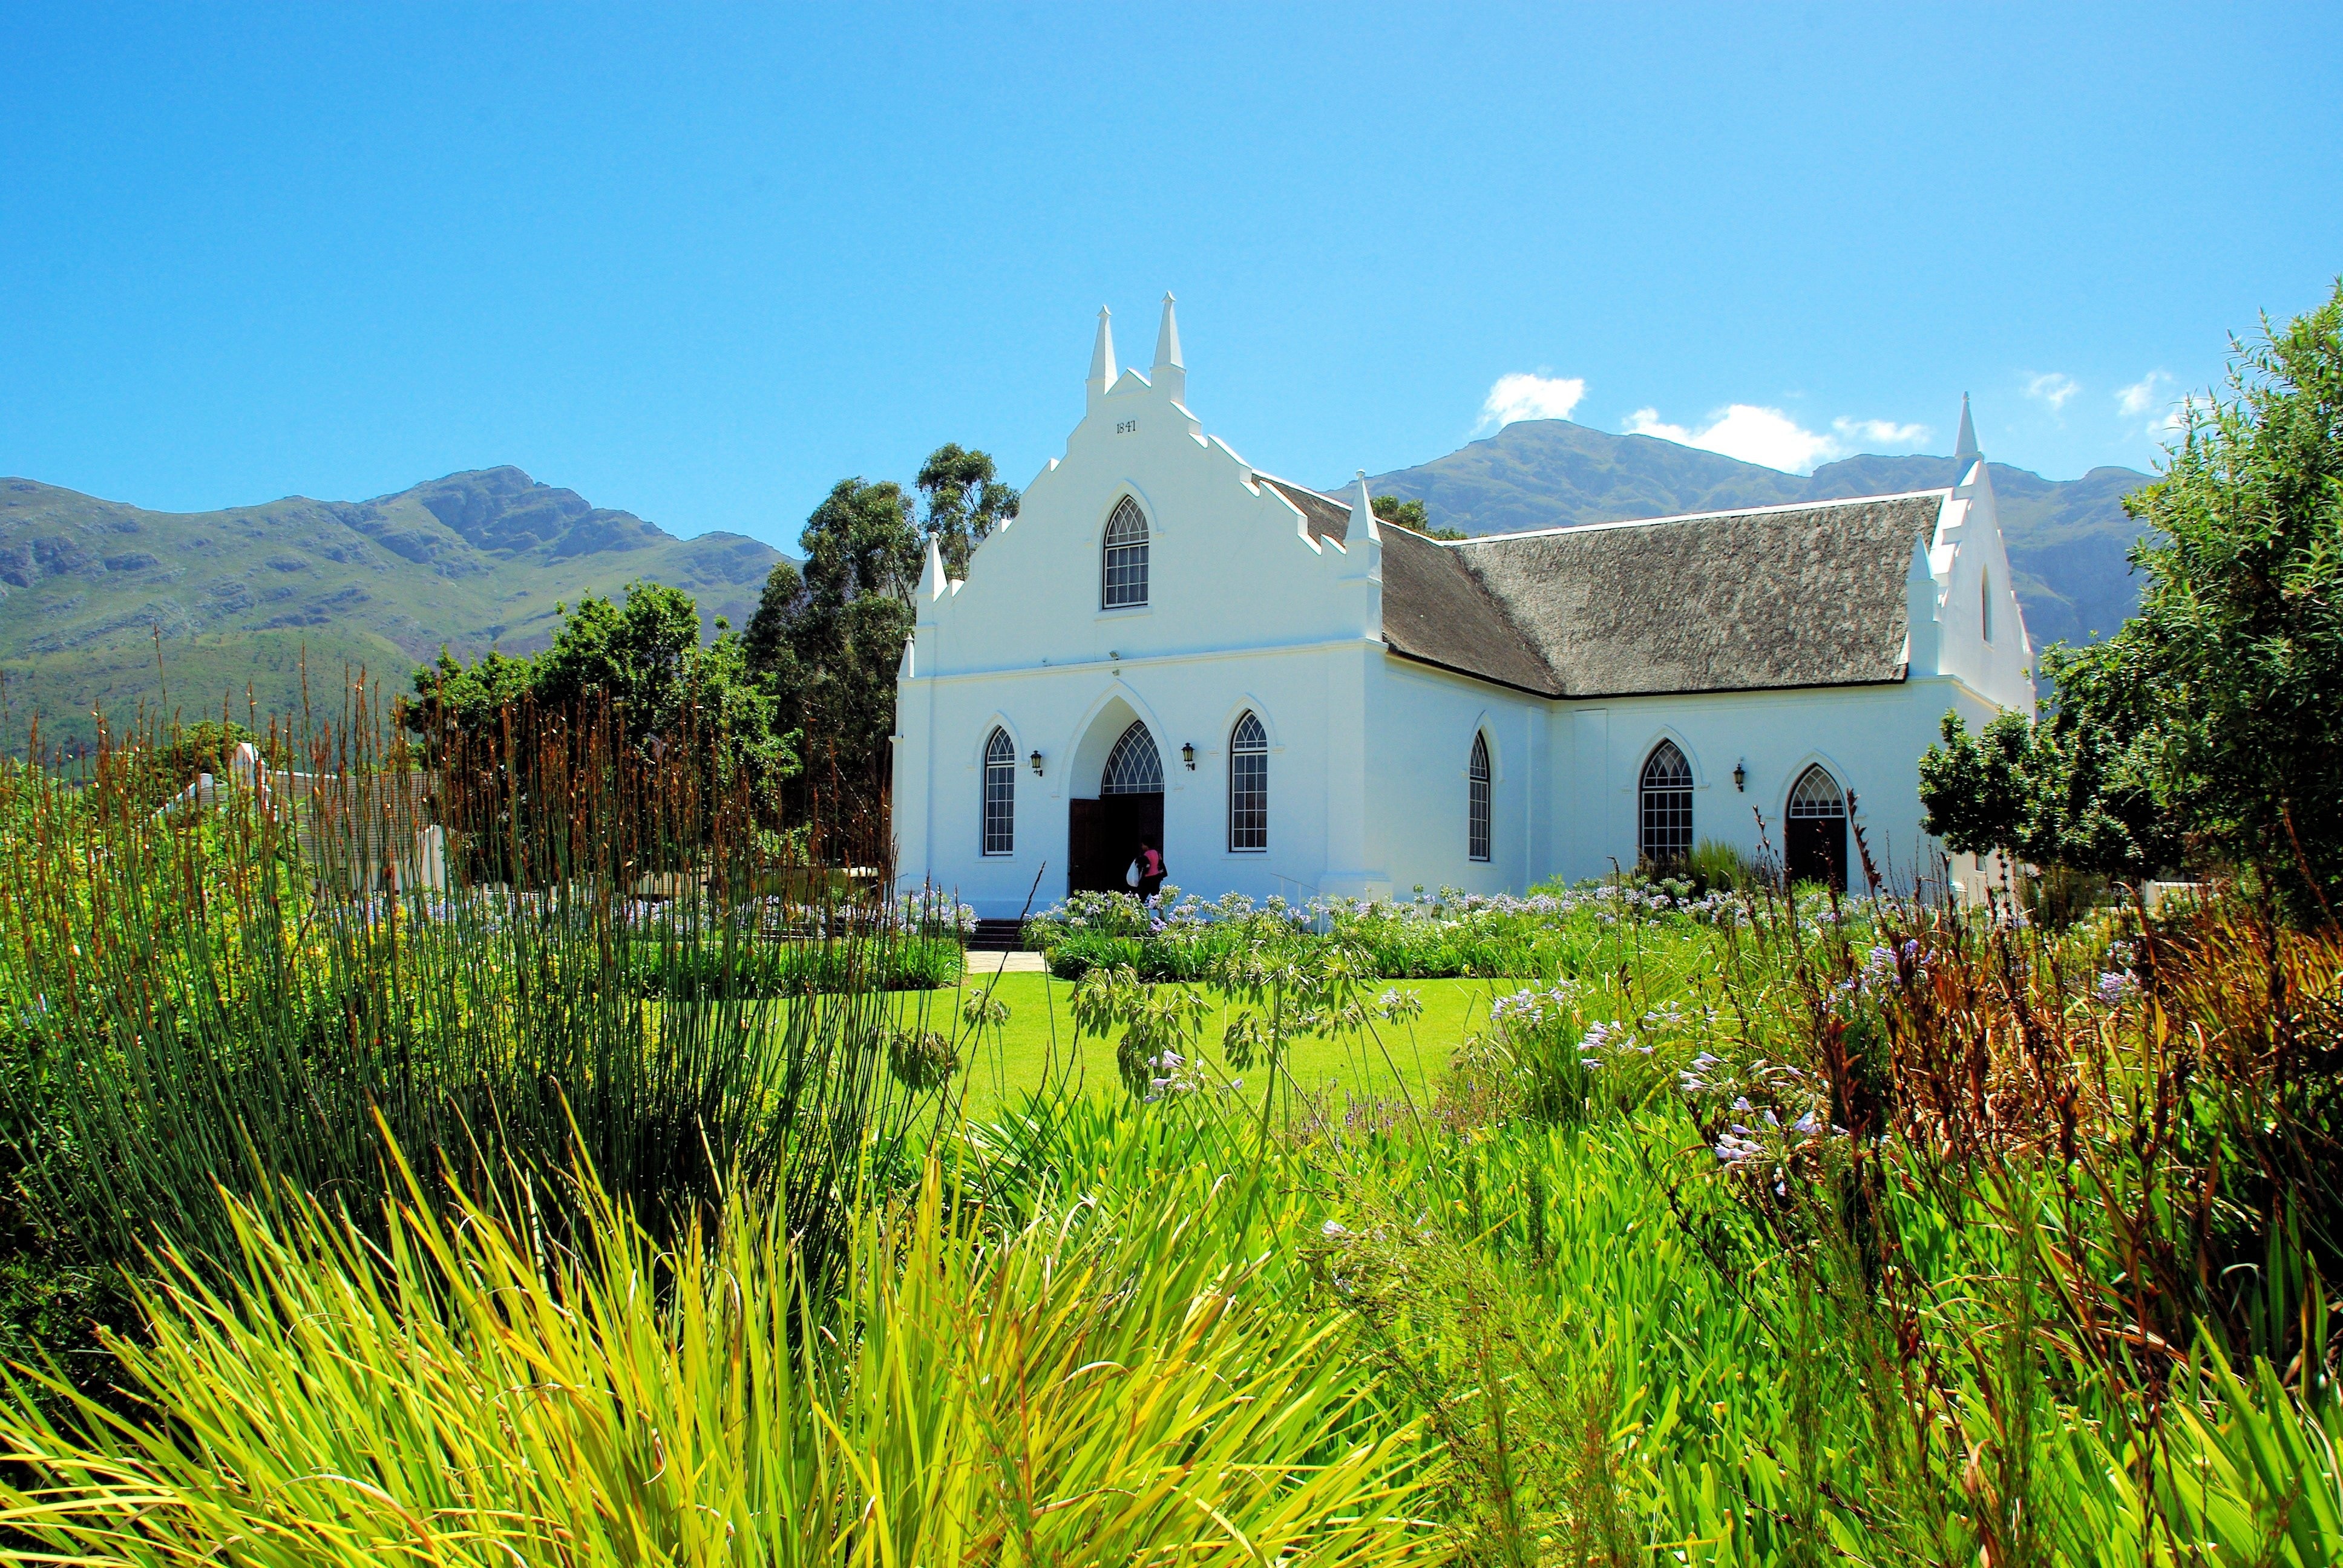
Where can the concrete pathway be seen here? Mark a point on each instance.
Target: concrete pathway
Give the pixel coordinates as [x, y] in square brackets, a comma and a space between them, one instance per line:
[1007, 963]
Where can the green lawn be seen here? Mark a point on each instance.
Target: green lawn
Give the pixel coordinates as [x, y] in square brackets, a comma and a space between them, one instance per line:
[1037, 1044]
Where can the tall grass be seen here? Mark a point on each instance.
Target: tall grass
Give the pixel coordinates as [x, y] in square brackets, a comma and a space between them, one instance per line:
[1094, 1386]
[226, 998]
[1748, 1230]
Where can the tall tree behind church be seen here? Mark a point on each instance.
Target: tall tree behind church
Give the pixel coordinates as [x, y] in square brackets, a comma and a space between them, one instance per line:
[963, 500]
[828, 638]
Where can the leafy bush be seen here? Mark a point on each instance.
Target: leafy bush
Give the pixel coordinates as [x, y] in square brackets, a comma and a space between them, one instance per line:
[1718, 866]
[747, 970]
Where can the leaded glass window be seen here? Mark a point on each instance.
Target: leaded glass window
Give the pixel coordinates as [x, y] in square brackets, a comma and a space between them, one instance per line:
[1814, 841]
[999, 795]
[1248, 785]
[1134, 768]
[1123, 565]
[1666, 802]
[1477, 807]
[1816, 794]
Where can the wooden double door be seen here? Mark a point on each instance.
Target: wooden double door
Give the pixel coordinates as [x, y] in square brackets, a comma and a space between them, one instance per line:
[1814, 851]
[1103, 836]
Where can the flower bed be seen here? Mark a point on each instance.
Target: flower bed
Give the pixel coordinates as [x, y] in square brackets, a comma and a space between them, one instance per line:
[1174, 937]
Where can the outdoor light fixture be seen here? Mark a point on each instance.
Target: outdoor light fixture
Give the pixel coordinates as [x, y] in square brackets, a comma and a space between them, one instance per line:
[1740, 778]
[1036, 761]
[1188, 754]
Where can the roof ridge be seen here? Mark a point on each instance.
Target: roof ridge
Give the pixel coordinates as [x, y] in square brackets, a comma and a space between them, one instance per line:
[1290, 484]
[1398, 546]
[1940, 490]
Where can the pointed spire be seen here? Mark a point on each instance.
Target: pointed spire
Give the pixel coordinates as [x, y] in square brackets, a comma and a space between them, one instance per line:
[1363, 512]
[1167, 337]
[1171, 373]
[1923, 639]
[932, 577]
[1102, 358]
[1966, 446]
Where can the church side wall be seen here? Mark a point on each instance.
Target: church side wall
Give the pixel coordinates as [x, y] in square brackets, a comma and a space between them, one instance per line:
[1869, 738]
[1419, 726]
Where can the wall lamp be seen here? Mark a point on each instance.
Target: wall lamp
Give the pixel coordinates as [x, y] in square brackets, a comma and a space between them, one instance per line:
[1188, 754]
[1740, 778]
[1036, 761]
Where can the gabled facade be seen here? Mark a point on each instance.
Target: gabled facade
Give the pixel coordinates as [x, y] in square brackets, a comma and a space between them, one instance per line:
[1170, 645]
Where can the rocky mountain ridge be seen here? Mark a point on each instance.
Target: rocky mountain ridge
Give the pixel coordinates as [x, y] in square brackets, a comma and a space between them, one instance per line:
[106, 605]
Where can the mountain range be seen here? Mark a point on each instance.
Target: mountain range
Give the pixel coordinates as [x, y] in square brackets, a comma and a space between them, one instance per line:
[108, 605]
[2066, 539]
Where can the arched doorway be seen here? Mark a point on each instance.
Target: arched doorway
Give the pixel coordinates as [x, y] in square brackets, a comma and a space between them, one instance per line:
[1815, 847]
[1103, 833]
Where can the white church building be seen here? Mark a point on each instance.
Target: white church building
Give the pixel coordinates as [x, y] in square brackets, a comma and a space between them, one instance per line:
[1169, 644]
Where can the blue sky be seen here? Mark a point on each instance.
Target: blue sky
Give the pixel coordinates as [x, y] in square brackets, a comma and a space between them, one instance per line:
[699, 264]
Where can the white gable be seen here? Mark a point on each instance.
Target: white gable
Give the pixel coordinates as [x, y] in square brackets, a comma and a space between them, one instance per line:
[1232, 565]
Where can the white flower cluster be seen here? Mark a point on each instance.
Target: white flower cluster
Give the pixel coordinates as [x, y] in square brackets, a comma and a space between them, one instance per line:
[1758, 1140]
[1122, 914]
[1174, 1075]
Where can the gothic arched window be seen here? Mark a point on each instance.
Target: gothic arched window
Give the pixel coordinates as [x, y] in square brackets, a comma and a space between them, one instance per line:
[1666, 801]
[1984, 607]
[1248, 785]
[1815, 840]
[1476, 804]
[999, 795]
[1133, 767]
[1123, 557]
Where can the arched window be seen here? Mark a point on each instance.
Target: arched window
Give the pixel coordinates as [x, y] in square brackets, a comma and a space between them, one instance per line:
[1666, 801]
[1134, 768]
[1984, 606]
[1815, 841]
[1476, 802]
[1248, 785]
[1124, 559]
[999, 795]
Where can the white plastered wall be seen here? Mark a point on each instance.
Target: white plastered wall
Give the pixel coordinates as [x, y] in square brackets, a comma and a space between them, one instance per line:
[1245, 610]
[1869, 738]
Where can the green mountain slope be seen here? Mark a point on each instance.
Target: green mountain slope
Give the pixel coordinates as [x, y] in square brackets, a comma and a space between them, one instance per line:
[106, 604]
[2067, 538]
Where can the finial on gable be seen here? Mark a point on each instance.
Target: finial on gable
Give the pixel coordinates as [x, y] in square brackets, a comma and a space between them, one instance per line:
[1966, 446]
[1171, 373]
[1102, 358]
[1362, 511]
[932, 576]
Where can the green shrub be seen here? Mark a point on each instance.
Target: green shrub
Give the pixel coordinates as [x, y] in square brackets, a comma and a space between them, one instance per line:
[713, 971]
[1718, 866]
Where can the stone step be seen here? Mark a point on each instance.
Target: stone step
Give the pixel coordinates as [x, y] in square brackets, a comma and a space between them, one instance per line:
[996, 937]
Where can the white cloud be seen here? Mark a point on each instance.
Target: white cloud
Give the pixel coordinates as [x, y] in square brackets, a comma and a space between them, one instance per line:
[1881, 434]
[1769, 435]
[1522, 396]
[1745, 432]
[2140, 397]
[2053, 388]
